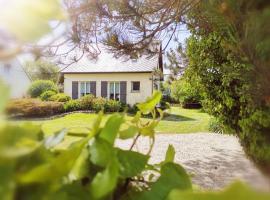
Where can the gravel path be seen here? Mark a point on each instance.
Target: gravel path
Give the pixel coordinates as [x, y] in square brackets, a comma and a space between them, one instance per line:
[213, 160]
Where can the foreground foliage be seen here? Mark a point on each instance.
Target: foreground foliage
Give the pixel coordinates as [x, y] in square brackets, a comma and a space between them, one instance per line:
[91, 168]
[32, 167]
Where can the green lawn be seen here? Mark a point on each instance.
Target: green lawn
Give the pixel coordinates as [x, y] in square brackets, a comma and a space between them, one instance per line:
[179, 120]
[182, 120]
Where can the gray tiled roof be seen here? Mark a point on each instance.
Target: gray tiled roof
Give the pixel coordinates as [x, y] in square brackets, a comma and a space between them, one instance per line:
[107, 63]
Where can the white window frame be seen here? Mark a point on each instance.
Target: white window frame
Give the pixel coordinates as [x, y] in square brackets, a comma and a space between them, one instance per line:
[79, 88]
[109, 89]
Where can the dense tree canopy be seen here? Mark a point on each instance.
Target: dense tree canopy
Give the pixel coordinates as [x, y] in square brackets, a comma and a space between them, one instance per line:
[228, 59]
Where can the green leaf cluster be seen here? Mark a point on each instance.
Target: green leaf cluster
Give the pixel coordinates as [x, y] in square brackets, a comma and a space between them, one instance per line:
[33, 167]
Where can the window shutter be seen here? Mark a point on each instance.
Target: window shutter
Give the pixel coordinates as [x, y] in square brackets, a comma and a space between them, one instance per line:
[123, 91]
[104, 89]
[75, 85]
[93, 87]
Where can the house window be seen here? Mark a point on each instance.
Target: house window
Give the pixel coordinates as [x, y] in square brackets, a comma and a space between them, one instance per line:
[114, 90]
[135, 86]
[84, 88]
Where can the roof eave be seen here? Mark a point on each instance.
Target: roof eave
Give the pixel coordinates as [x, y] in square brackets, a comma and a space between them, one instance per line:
[106, 72]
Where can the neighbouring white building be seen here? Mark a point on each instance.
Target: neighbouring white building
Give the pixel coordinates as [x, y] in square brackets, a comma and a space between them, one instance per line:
[13, 74]
[130, 81]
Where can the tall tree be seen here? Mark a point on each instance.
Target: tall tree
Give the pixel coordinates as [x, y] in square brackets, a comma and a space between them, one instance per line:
[177, 62]
[42, 70]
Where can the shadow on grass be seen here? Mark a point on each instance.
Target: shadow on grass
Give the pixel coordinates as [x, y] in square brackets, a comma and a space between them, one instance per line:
[175, 118]
[169, 117]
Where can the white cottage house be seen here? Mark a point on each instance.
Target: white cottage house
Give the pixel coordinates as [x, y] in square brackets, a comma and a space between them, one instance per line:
[130, 81]
[13, 74]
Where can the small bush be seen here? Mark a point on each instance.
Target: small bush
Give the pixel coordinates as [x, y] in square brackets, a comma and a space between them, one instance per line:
[133, 109]
[45, 96]
[41, 86]
[99, 104]
[72, 105]
[113, 106]
[186, 93]
[164, 104]
[33, 108]
[87, 102]
[60, 97]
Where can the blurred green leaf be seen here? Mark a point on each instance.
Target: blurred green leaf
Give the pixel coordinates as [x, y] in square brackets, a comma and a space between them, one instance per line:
[150, 103]
[130, 132]
[172, 176]
[137, 117]
[105, 182]
[19, 140]
[28, 20]
[81, 167]
[236, 191]
[131, 163]
[70, 192]
[149, 130]
[57, 168]
[170, 154]
[96, 125]
[111, 128]
[7, 182]
[101, 152]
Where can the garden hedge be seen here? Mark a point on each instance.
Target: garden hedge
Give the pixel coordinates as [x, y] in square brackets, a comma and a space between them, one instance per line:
[33, 108]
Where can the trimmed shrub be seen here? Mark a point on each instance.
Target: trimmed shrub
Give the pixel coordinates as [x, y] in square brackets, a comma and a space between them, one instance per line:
[60, 97]
[45, 96]
[40, 86]
[72, 105]
[33, 108]
[113, 106]
[99, 104]
[87, 102]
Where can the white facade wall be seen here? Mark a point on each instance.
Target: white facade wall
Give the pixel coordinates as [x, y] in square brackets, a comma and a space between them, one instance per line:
[132, 97]
[15, 77]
